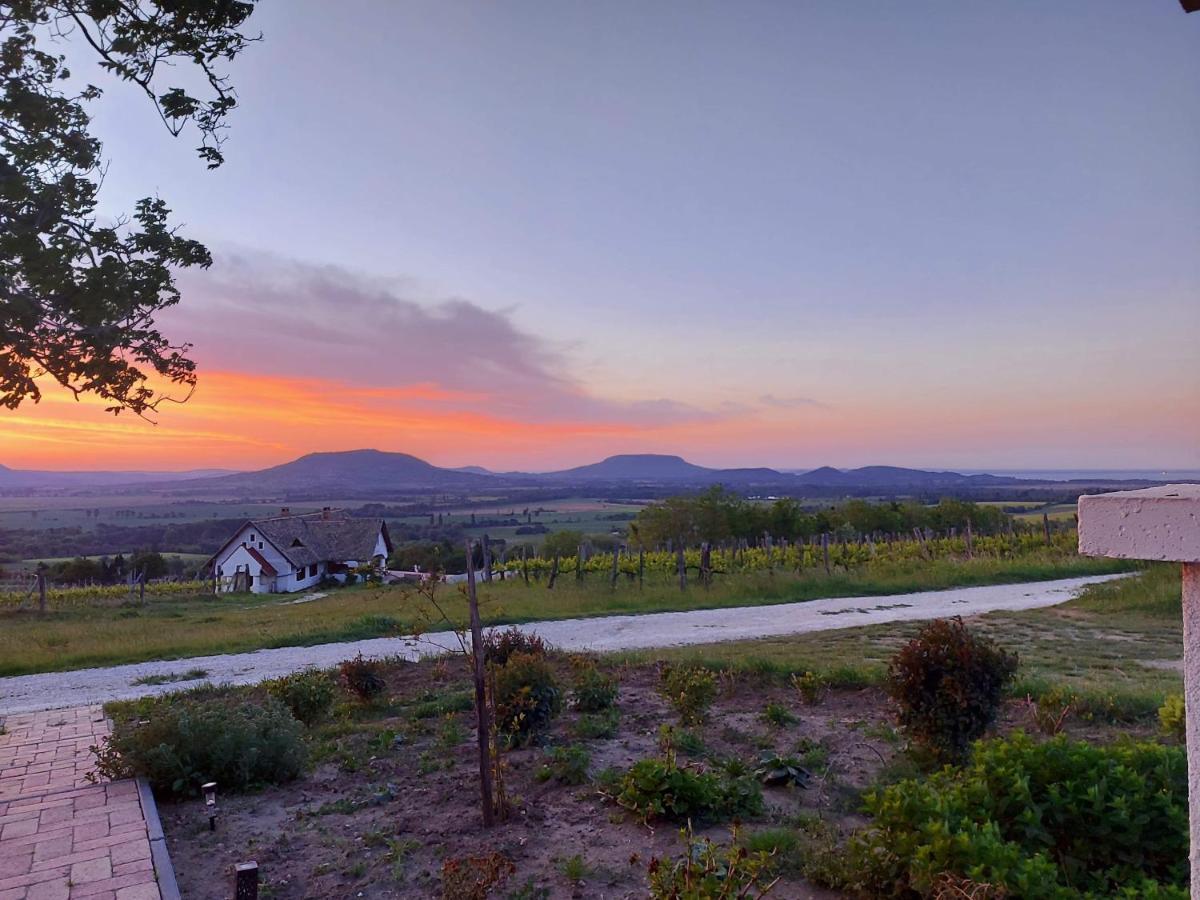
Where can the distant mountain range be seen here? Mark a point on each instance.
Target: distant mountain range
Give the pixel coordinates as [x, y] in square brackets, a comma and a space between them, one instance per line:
[34, 478]
[358, 473]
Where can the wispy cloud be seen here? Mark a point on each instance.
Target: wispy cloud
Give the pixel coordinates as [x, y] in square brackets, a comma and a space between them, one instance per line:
[271, 316]
[774, 402]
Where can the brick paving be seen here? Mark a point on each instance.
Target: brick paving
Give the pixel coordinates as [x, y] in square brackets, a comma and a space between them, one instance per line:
[61, 835]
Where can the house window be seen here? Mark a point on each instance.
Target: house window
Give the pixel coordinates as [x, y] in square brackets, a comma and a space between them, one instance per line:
[312, 570]
[260, 545]
[252, 537]
[299, 574]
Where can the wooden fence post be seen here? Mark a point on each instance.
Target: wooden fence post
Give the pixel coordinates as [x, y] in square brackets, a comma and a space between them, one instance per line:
[615, 571]
[525, 564]
[41, 588]
[970, 542]
[245, 881]
[483, 726]
[1046, 527]
[579, 561]
[681, 565]
[825, 551]
[641, 566]
[487, 558]
[553, 573]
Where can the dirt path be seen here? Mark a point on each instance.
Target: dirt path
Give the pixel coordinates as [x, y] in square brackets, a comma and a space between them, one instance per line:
[25, 693]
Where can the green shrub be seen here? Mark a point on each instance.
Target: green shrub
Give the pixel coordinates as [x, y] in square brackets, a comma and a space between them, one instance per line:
[308, 694]
[948, 685]
[1052, 820]
[598, 725]
[593, 690]
[1172, 717]
[690, 691]
[567, 765]
[184, 743]
[527, 696]
[658, 788]
[810, 686]
[708, 871]
[363, 678]
[773, 769]
[777, 714]
[501, 644]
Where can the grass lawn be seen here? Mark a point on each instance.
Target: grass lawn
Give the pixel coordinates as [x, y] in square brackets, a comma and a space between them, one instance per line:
[1117, 647]
[176, 627]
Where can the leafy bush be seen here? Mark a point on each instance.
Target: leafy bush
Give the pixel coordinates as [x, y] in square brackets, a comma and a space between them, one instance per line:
[657, 788]
[777, 714]
[500, 645]
[186, 742]
[1172, 717]
[690, 691]
[598, 725]
[308, 694]
[363, 678]
[593, 690]
[527, 696]
[773, 769]
[1052, 820]
[567, 765]
[948, 685]
[810, 686]
[708, 871]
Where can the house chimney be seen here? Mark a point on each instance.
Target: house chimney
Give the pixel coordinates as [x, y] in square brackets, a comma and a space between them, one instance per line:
[325, 512]
[285, 510]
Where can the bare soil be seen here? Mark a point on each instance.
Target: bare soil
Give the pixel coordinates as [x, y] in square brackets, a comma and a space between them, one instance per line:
[392, 796]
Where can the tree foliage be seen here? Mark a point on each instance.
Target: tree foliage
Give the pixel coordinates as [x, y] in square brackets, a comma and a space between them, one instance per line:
[78, 297]
[718, 514]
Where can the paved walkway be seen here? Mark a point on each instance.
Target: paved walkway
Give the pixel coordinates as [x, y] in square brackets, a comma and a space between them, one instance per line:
[25, 693]
[61, 835]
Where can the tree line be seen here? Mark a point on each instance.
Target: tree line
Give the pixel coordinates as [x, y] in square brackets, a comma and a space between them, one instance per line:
[718, 515]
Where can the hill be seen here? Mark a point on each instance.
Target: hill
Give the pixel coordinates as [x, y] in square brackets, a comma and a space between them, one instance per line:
[347, 470]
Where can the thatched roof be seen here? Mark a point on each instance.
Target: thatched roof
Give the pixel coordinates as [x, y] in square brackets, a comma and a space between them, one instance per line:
[330, 536]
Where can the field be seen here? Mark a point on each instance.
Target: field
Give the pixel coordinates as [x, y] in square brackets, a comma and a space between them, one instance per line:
[385, 810]
[78, 633]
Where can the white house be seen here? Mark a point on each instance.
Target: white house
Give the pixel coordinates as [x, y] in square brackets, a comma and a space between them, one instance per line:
[290, 553]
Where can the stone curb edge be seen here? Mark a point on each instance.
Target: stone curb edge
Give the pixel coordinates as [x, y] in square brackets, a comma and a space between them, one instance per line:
[163, 870]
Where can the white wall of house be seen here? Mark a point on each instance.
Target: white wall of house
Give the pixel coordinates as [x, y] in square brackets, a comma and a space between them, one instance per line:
[289, 578]
[237, 559]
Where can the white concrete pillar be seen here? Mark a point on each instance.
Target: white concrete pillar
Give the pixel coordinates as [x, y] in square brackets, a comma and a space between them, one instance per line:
[1161, 523]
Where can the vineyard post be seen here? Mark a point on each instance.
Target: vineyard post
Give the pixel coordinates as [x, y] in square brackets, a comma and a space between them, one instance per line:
[41, 588]
[553, 574]
[825, 551]
[1046, 527]
[482, 725]
[487, 558]
[970, 542]
[525, 564]
[615, 570]
[1159, 523]
[681, 565]
[579, 561]
[142, 586]
[641, 566]
[706, 564]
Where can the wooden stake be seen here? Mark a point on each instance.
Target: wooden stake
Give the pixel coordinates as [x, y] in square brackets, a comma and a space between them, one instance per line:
[615, 571]
[970, 542]
[482, 723]
[553, 573]
[681, 565]
[487, 559]
[825, 551]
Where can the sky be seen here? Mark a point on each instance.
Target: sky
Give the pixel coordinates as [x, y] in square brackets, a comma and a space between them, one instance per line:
[530, 235]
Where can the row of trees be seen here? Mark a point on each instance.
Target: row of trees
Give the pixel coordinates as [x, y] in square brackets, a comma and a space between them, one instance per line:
[116, 569]
[718, 515]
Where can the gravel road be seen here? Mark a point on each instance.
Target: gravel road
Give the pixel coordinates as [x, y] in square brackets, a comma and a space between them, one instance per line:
[52, 690]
